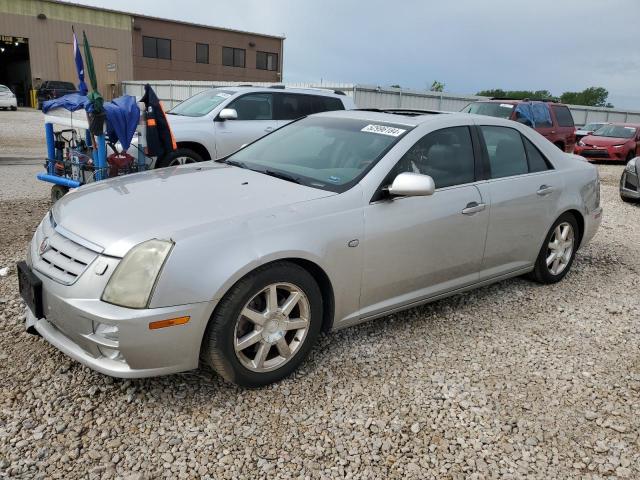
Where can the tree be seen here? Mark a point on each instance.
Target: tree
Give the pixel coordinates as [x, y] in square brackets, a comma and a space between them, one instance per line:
[437, 86]
[592, 97]
[396, 86]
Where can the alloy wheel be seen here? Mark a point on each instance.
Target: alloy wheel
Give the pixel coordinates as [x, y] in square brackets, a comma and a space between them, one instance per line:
[272, 327]
[181, 161]
[560, 248]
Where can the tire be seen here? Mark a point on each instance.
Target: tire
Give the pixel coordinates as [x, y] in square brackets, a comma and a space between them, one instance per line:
[245, 366]
[560, 146]
[180, 156]
[13, 109]
[57, 192]
[544, 273]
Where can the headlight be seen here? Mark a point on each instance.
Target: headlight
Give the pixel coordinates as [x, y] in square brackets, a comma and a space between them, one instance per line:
[581, 143]
[631, 166]
[618, 146]
[131, 285]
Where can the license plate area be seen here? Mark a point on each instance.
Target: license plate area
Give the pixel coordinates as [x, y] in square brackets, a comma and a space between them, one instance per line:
[30, 288]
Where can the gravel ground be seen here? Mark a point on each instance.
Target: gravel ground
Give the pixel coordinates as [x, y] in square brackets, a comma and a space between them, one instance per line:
[22, 133]
[513, 380]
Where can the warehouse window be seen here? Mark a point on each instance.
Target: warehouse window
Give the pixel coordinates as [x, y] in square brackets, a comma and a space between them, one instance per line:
[267, 61]
[233, 57]
[156, 48]
[202, 53]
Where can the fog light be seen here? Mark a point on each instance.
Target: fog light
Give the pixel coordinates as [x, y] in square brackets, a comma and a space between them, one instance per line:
[106, 337]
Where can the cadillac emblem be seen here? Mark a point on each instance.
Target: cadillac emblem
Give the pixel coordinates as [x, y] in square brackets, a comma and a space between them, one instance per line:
[44, 246]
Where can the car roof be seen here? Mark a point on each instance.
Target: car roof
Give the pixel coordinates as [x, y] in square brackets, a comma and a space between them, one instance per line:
[282, 88]
[622, 124]
[512, 101]
[408, 118]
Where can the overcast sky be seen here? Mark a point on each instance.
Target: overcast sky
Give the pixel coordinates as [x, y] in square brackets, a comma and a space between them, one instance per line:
[470, 45]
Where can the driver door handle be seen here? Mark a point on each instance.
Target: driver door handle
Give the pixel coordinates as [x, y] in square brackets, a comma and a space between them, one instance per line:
[544, 190]
[473, 207]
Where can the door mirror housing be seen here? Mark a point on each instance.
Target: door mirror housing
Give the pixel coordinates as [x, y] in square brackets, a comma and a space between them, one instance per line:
[412, 185]
[228, 114]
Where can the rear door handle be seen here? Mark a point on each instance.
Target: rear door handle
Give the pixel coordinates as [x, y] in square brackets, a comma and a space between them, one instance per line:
[473, 207]
[544, 190]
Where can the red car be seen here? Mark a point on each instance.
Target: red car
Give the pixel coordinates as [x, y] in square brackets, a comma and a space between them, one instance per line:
[616, 142]
[556, 124]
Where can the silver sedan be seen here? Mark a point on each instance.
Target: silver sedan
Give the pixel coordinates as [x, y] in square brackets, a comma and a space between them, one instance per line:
[333, 220]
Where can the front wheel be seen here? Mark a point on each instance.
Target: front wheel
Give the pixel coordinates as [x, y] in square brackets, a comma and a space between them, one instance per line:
[180, 156]
[265, 326]
[558, 251]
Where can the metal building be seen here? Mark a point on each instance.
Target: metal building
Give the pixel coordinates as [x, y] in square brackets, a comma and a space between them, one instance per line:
[36, 45]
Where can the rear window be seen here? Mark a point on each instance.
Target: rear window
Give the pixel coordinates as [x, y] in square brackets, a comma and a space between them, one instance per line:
[61, 86]
[492, 109]
[563, 115]
[290, 106]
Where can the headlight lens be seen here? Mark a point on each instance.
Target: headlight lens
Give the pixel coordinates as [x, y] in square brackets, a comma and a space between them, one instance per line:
[581, 143]
[631, 166]
[131, 285]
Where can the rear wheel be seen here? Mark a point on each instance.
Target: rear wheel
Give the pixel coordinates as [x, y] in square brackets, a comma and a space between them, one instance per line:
[265, 326]
[13, 109]
[558, 251]
[180, 156]
[57, 192]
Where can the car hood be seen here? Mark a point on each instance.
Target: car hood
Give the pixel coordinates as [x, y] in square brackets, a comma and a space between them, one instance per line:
[173, 203]
[603, 141]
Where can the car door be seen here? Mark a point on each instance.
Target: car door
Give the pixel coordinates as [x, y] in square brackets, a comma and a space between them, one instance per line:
[420, 247]
[523, 190]
[255, 119]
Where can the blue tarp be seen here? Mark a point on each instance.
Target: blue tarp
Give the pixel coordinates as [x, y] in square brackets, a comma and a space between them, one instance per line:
[533, 114]
[123, 114]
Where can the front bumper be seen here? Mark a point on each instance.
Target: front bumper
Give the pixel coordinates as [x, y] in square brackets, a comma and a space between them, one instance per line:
[602, 154]
[6, 102]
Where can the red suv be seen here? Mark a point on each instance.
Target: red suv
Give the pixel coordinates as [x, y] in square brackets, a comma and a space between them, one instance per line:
[616, 141]
[552, 120]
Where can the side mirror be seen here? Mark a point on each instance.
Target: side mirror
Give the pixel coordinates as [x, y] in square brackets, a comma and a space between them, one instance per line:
[228, 114]
[412, 185]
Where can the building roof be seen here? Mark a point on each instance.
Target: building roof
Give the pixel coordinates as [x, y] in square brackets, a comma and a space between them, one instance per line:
[132, 14]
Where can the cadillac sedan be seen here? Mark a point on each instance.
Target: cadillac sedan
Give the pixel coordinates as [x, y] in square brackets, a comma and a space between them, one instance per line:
[332, 220]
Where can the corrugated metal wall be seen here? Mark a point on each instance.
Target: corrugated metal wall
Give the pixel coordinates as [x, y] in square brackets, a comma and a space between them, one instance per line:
[367, 96]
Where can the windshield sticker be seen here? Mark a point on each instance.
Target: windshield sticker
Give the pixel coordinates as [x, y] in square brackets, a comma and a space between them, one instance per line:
[506, 105]
[384, 130]
[223, 95]
[334, 179]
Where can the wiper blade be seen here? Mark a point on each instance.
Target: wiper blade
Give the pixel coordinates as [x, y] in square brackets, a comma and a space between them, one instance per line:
[236, 163]
[283, 176]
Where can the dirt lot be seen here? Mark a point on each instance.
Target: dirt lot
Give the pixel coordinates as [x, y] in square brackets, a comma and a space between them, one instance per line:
[513, 380]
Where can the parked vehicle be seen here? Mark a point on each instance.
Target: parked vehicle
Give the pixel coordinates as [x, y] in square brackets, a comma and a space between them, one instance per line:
[332, 220]
[7, 98]
[556, 125]
[589, 129]
[616, 142]
[630, 181]
[54, 89]
[218, 121]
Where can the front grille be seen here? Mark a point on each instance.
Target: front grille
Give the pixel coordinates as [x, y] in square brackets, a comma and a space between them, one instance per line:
[63, 259]
[595, 153]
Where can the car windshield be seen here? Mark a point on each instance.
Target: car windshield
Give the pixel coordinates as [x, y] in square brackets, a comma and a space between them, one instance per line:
[592, 127]
[4, 89]
[492, 109]
[201, 103]
[615, 131]
[322, 152]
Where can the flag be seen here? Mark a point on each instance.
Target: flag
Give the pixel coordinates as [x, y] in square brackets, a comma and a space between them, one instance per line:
[79, 65]
[94, 97]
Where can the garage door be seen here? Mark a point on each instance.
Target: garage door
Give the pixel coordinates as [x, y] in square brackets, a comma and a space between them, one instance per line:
[105, 61]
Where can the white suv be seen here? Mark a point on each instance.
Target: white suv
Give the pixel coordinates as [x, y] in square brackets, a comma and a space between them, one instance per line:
[217, 122]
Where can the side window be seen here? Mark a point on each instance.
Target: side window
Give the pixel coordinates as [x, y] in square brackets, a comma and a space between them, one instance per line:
[446, 155]
[292, 106]
[326, 104]
[537, 162]
[563, 115]
[506, 151]
[254, 106]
